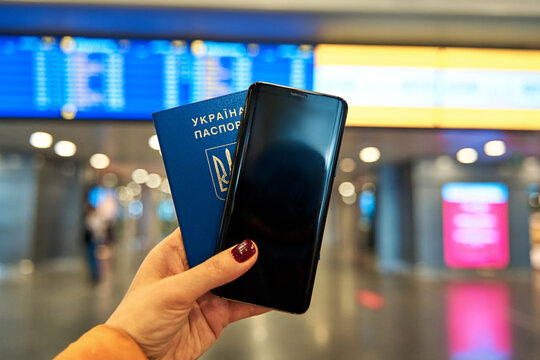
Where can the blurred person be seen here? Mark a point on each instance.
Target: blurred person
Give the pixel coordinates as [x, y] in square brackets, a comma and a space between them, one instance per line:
[106, 215]
[107, 209]
[94, 235]
[168, 311]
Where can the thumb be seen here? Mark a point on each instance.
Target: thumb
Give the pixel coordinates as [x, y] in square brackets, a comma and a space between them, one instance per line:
[220, 269]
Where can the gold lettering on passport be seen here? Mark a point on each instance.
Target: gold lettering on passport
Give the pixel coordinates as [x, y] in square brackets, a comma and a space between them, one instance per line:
[219, 115]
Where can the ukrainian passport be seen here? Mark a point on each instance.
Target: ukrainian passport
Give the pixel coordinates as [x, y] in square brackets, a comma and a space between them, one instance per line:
[197, 143]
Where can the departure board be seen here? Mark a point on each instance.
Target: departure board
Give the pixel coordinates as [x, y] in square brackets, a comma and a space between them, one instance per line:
[90, 78]
[433, 87]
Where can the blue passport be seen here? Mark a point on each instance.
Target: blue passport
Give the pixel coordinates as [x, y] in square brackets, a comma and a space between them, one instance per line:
[197, 142]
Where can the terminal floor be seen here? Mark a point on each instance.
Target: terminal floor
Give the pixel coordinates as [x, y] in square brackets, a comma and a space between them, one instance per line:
[356, 313]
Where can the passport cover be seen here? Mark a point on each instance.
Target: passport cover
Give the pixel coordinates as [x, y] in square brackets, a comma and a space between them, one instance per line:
[197, 142]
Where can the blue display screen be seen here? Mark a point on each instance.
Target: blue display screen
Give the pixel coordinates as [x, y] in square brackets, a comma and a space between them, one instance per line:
[89, 78]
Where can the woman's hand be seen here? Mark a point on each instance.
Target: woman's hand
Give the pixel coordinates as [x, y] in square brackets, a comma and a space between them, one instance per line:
[168, 309]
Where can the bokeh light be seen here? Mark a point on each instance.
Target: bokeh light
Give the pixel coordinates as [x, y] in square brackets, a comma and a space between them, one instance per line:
[65, 148]
[370, 154]
[347, 165]
[495, 148]
[41, 140]
[139, 176]
[153, 142]
[467, 156]
[153, 181]
[99, 161]
[346, 189]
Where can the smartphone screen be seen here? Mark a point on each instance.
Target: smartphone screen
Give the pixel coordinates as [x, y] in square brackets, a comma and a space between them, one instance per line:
[279, 192]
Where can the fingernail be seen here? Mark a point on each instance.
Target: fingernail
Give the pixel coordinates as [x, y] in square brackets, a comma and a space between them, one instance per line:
[244, 250]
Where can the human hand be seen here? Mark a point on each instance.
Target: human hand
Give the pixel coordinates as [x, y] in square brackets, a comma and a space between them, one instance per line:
[168, 309]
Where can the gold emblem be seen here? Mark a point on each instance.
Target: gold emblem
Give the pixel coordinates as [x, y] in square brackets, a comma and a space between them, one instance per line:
[219, 163]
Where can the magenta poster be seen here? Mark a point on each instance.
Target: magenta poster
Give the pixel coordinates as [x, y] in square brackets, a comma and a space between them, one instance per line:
[475, 225]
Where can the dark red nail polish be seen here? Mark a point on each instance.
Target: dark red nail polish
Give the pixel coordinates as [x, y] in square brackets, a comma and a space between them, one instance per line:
[244, 250]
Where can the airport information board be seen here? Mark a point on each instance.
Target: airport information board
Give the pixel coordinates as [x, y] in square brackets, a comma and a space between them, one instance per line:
[89, 78]
[433, 87]
[393, 86]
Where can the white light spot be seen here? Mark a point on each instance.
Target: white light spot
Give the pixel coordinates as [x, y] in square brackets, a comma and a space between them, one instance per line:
[495, 148]
[369, 154]
[65, 148]
[346, 189]
[467, 156]
[153, 181]
[139, 176]
[124, 194]
[41, 140]
[153, 142]
[165, 186]
[99, 161]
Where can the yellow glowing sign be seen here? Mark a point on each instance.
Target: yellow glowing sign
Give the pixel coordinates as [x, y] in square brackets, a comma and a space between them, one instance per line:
[394, 86]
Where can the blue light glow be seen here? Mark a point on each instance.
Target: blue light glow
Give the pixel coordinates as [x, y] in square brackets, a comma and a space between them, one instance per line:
[165, 210]
[135, 209]
[93, 78]
[475, 192]
[96, 196]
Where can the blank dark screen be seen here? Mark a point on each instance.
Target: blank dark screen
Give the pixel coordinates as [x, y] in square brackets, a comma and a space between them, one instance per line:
[282, 185]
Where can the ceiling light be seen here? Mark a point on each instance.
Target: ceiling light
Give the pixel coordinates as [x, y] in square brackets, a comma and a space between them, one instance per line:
[369, 154]
[347, 165]
[349, 200]
[467, 156]
[165, 186]
[41, 140]
[109, 180]
[153, 142]
[125, 195]
[139, 176]
[65, 148]
[68, 111]
[346, 189]
[134, 187]
[99, 161]
[153, 181]
[495, 148]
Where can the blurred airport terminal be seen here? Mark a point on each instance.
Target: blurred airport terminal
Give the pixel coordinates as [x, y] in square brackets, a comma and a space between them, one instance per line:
[432, 243]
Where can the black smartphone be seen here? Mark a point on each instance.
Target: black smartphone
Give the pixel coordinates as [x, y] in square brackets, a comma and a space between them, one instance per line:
[280, 185]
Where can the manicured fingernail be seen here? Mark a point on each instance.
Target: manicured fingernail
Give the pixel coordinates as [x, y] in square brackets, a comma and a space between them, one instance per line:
[243, 251]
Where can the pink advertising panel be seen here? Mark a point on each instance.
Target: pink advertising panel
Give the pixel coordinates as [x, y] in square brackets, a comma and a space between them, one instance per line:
[478, 321]
[475, 225]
